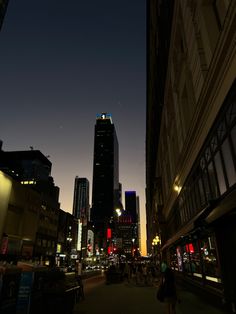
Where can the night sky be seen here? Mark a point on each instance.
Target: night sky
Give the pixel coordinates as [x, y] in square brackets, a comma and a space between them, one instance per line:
[63, 62]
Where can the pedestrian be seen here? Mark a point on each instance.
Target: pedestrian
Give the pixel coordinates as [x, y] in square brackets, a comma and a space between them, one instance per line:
[167, 288]
[139, 273]
[80, 288]
[126, 272]
[145, 273]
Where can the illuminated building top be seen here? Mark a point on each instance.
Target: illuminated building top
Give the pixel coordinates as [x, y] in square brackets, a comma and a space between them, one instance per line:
[104, 116]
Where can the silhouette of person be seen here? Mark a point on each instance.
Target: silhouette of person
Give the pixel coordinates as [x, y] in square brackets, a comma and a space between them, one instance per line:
[170, 292]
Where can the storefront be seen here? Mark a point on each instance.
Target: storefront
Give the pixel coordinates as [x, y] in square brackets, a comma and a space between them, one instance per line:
[201, 226]
[198, 259]
[203, 251]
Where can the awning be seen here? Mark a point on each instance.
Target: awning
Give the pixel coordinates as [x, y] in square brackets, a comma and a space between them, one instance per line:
[208, 215]
[223, 208]
[190, 226]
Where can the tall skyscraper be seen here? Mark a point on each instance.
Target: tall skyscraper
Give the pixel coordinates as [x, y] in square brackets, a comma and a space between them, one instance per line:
[81, 211]
[105, 193]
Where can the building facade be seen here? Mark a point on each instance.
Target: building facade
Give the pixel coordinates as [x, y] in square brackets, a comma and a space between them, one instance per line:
[190, 144]
[29, 210]
[28, 225]
[159, 21]
[67, 240]
[125, 234]
[105, 192]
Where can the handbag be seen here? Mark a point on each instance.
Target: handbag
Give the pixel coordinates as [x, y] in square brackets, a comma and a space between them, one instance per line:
[160, 295]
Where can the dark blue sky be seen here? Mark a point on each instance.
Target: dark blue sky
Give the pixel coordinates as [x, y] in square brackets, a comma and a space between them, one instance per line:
[61, 63]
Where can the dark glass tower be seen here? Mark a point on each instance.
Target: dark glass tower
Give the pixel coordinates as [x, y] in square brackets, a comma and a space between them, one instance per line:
[132, 209]
[81, 198]
[81, 210]
[131, 205]
[105, 193]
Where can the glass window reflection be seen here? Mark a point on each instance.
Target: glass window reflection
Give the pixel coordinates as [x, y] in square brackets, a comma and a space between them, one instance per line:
[229, 165]
[220, 173]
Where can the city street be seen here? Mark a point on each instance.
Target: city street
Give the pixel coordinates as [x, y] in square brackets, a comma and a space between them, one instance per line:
[128, 298]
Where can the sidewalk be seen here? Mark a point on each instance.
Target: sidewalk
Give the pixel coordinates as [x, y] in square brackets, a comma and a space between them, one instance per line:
[128, 298]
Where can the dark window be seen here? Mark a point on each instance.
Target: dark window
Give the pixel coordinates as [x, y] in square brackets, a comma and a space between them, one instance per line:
[208, 154]
[193, 200]
[228, 161]
[220, 173]
[214, 144]
[233, 137]
[231, 113]
[213, 181]
[197, 195]
[201, 192]
[221, 131]
[206, 184]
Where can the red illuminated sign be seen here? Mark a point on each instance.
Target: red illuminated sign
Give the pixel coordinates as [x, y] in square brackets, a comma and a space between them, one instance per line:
[108, 233]
[189, 248]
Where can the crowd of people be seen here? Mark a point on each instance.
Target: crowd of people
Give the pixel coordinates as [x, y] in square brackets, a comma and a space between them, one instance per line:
[149, 274]
[139, 273]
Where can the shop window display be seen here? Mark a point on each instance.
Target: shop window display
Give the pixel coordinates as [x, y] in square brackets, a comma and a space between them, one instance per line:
[191, 259]
[197, 259]
[210, 259]
[186, 260]
[179, 258]
[195, 263]
[174, 259]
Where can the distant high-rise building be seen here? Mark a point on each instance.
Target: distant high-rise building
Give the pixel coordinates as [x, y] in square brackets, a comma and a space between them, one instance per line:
[81, 198]
[132, 209]
[124, 243]
[105, 193]
[81, 210]
[3, 8]
[138, 223]
[131, 205]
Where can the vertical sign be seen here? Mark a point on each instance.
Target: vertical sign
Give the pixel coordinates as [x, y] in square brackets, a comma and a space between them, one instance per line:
[79, 235]
[24, 294]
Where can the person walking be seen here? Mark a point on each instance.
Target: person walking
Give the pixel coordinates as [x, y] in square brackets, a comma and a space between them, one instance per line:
[126, 272]
[145, 273]
[167, 291]
[80, 290]
[139, 274]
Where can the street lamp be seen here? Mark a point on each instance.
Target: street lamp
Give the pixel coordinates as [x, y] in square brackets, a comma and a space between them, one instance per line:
[155, 242]
[118, 212]
[69, 240]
